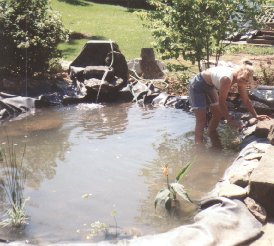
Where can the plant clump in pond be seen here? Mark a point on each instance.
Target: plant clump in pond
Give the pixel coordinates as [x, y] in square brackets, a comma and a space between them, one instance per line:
[13, 181]
[168, 196]
[97, 228]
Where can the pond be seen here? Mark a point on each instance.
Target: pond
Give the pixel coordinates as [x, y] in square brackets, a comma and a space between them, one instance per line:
[88, 163]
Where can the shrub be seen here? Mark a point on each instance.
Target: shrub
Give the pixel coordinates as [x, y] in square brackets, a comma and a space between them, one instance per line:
[29, 33]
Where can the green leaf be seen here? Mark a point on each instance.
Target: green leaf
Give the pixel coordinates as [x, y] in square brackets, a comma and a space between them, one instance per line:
[180, 190]
[161, 197]
[183, 172]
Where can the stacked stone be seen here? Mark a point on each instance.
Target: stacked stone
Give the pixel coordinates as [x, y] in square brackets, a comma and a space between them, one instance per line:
[251, 176]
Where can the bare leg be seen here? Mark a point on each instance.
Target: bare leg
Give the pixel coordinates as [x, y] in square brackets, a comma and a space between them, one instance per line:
[215, 119]
[215, 140]
[200, 115]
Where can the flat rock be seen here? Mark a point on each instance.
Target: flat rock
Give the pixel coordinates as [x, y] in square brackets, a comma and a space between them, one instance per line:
[262, 181]
[263, 128]
[241, 175]
[232, 191]
[256, 209]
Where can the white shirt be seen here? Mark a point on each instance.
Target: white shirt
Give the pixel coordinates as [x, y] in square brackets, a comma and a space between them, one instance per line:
[217, 73]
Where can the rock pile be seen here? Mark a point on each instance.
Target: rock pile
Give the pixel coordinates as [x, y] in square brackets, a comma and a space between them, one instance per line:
[251, 176]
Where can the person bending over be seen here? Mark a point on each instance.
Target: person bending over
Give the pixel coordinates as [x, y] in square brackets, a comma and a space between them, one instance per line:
[210, 89]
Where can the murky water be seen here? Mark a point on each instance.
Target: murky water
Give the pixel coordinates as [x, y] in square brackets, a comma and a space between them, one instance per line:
[86, 162]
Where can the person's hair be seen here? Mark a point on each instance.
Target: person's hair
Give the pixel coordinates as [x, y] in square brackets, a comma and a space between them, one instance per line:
[245, 71]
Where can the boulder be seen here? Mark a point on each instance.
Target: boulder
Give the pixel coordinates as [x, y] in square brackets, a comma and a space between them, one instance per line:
[241, 175]
[252, 122]
[263, 128]
[264, 94]
[261, 108]
[262, 181]
[232, 191]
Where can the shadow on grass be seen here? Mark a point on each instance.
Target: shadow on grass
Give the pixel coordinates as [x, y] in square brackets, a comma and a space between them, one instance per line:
[67, 51]
[72, 46]
[98, 38]
[73, 39]
[75, 2]
[141, 4]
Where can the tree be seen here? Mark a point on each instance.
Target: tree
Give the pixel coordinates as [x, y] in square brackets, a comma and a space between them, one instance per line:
[29, 34]
[195, 29]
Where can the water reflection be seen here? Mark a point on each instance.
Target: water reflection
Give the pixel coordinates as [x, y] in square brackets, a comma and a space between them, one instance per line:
[115, 153]
[104, 121]
[208, 165]
[46, 142]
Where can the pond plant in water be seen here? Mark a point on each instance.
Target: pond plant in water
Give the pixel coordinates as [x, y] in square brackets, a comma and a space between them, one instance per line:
[98, 228]
[13, 181]
[168, 196]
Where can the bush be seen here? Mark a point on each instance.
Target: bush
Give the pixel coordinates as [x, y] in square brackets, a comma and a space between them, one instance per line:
[29, 34]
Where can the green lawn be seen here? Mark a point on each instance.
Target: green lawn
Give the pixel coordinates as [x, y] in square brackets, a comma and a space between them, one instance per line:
[102, 21]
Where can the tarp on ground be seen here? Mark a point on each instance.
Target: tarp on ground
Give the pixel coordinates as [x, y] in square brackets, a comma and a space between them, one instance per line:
[221, 222]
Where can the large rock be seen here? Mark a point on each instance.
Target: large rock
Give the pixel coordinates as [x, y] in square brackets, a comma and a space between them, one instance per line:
[263, 128]
[264, 94]
[240, 175]
[262, 181]
[260, 107]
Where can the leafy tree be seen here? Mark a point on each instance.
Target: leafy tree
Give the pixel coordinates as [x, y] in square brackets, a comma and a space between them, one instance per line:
[29, 34]
[195, 29]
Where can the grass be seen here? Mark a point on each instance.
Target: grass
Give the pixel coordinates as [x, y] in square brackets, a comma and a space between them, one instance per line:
[12, 182]
[250, 49]
[102, 21]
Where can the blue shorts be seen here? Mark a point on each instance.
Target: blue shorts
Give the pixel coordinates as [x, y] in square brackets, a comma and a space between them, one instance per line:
[201, 94]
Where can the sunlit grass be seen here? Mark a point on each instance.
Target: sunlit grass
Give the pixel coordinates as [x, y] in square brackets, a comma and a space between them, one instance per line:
[102, 21]
[249, 49]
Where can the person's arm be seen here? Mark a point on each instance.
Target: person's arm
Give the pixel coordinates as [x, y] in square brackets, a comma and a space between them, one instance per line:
[225, 84]
[246, 101]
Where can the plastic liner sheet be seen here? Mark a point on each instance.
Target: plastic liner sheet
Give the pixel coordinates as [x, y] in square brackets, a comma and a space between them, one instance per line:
[221, 222]
[12, 106]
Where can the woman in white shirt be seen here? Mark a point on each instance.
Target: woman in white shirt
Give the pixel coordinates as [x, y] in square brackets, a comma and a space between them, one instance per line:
[210, 89]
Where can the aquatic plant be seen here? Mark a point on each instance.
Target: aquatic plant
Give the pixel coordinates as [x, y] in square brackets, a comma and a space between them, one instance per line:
[114, 214]
[168, 195]
[14, 177]
[96, 228]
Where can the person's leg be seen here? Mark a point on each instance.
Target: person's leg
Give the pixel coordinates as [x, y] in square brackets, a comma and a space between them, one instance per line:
[216, 116]
[200, 115]
[215, 140]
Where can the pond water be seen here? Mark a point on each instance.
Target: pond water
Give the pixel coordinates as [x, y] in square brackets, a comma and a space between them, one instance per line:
[89, 162]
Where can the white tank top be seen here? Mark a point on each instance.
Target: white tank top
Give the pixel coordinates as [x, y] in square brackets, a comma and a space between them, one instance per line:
[217, 73]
